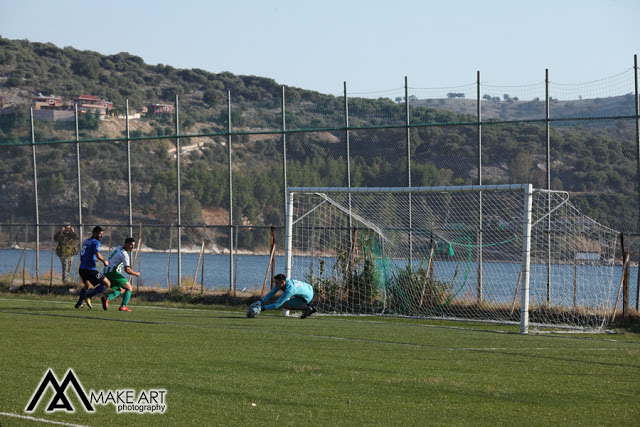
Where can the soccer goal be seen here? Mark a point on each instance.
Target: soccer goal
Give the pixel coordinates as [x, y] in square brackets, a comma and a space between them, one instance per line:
[499, 253]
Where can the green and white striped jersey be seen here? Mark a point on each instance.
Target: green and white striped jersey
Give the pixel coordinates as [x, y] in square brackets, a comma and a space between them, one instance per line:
[118, 259]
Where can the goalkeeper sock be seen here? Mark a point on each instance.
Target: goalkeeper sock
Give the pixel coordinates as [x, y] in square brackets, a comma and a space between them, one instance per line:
[126, 297]
[114, 294]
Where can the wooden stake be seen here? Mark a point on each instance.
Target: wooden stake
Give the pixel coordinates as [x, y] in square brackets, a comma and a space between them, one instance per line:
[195, 278]
[169, 263]
[18, 265]
[624, 267]
[135, 258]
[266, 277]
[202, 276]
[426, 277]
[273, 263]
[352, 253]
[51, 269]
[515, 297]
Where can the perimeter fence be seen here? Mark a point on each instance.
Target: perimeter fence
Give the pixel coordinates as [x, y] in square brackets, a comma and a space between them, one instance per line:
[212, 179]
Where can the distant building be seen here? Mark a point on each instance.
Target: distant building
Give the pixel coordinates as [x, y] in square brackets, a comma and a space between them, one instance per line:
[588, 256]
[54, 115]
[159, 109]
[41, 102]
[92, 104]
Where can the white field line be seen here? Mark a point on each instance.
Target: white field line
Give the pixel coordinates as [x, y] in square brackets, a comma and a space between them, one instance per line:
[42, 420]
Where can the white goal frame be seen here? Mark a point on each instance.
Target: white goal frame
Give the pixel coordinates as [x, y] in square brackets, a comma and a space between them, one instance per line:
[527, 189]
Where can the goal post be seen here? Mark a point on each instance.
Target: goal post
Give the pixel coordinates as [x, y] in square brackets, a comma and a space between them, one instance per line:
[368, 250]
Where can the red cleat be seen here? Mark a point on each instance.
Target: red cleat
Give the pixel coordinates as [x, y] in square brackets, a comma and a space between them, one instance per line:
[105, 303]
[123, 308]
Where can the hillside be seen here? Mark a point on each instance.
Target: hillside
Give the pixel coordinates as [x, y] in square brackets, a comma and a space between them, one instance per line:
[592, 159]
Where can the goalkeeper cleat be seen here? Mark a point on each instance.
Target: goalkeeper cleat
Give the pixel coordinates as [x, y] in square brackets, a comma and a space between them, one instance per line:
[105, 303]
[123, 308]
[88, 301]
[308, 312]
[79, 305]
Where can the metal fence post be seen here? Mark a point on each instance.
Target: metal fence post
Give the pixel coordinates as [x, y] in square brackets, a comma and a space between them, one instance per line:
[80, 227]
[231, 275]
[480, 218]
[35, 196]
[284, 151]
[408, 133]
[348, 154]
[548, 135]
[129, 167]
[637, 102]
[178, 193]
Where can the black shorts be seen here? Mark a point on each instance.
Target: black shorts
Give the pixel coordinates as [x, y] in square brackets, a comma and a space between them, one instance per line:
[93, 276]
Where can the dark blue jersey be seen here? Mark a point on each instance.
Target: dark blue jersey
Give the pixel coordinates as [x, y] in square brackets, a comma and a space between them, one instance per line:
[88, 254]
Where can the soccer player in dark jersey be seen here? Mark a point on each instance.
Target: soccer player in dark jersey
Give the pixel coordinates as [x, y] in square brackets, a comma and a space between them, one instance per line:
[89, 274]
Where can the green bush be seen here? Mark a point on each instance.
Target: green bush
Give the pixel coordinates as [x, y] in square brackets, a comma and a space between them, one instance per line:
[413, 291]
[355, 282]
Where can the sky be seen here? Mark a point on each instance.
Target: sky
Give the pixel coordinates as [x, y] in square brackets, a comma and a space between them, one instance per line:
[369, 44]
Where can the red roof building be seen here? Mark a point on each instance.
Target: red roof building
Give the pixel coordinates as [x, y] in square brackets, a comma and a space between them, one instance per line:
[159, 109]
[92, 104]
[42, 102]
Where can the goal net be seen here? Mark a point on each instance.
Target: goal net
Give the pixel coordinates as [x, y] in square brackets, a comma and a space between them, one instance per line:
[505, 253]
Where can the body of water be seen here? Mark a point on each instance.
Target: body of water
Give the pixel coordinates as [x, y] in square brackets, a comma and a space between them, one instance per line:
[594, 286]
[157, 269]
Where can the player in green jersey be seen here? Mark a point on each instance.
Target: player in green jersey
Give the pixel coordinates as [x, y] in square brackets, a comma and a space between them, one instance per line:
[119, 261]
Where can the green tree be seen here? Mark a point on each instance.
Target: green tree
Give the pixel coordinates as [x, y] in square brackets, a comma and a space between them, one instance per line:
[191, 210]
[87, 66]
[211, 97]
[520, 168]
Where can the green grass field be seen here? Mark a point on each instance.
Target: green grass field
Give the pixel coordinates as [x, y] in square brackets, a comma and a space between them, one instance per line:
[220, 368]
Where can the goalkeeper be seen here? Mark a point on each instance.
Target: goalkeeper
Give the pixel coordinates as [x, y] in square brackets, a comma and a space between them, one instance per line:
[296, 295]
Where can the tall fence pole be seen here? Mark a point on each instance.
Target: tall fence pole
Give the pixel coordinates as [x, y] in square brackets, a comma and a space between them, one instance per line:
[548, 135]
[637, 102]
[231, 276]
[408, 133]
[178, 192]
[75, 109]
[126, 103]
[347, 148]
[284, 151]
[35, 196]
[480, 219]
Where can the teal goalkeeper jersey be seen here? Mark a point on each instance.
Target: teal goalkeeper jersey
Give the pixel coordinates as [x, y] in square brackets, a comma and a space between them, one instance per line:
[293, 288]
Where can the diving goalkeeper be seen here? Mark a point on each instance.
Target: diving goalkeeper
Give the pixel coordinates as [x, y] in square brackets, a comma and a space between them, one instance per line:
[296, 295]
